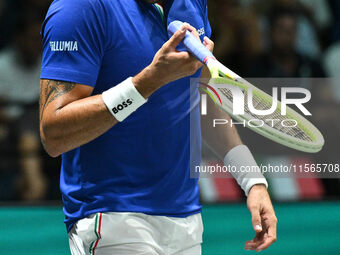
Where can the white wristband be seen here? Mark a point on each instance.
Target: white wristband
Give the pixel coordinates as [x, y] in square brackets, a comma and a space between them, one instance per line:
[246, 173]
[123, 99]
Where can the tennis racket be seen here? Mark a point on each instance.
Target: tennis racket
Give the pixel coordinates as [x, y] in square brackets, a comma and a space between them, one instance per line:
[302, 136]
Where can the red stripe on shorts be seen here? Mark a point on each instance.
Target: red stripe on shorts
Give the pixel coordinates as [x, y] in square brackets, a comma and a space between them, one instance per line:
[99, 227]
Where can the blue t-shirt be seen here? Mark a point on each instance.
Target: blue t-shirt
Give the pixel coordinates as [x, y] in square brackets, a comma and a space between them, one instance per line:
[143, 163]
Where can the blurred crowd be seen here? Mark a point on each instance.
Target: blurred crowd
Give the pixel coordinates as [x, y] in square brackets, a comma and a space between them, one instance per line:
[26, 172]
[255, 38]
[277, 38]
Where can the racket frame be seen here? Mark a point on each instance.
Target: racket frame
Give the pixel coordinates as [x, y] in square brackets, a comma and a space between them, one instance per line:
[267, 131]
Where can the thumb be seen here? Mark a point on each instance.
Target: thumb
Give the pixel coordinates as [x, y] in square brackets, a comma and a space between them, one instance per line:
[256, 220]
[177, 37]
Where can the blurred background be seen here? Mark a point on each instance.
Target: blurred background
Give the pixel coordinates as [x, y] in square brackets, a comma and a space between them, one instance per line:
[255, 38]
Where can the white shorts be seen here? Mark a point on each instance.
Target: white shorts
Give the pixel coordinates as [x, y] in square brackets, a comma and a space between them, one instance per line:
[136, 234]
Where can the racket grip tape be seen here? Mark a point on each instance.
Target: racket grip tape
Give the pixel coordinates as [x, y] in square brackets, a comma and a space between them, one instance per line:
[194, 46]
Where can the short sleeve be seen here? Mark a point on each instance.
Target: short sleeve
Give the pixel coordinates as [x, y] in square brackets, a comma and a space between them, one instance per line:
[73, 35]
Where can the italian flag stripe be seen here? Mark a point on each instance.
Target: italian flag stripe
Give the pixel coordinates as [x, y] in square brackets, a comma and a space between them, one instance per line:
[97, 227]
[161, 11]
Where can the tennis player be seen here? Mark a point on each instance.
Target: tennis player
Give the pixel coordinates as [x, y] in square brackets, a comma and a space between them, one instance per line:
[115, 103]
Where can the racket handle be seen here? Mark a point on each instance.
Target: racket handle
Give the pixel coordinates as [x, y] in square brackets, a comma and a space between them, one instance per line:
[194, 46]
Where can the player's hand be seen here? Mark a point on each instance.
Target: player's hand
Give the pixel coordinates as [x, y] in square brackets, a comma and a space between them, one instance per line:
[264, 220]
[170, 64]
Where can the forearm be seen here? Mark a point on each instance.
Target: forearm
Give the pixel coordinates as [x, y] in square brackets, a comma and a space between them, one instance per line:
[75, 124]
[222, 138]
[225, 142]
[72, 123]
[71, 117]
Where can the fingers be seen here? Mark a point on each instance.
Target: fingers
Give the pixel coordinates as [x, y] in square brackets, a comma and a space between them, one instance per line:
[209, 44]
[256, 242]
[256, 218]
[180, 34]
[271, 234]
[266, 243]
[193, 31]
[262, 244]
[189, 64]
[263, 219]
[266, 238]
[177, 37]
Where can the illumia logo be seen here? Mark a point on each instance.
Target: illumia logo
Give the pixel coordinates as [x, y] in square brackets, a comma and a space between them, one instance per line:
[239, 99]
[64, 45]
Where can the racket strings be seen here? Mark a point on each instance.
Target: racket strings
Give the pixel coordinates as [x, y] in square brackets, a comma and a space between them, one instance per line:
[260, 104]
